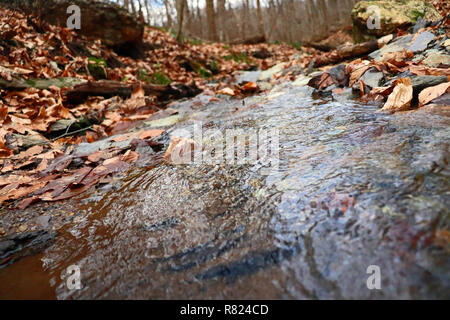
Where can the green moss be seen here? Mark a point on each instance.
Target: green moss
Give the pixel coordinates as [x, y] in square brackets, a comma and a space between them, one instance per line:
[195, 42]
[160, 78]
[97, 61]
[156, 78]
[296, 45]
[97, 68]
[238, 57]
[213, 66]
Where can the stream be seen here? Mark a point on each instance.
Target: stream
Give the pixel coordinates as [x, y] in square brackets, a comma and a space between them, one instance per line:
[353, 188]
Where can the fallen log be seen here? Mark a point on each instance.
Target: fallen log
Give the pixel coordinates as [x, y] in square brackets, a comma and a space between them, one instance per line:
[349, 52]
[252, 40]
[318, 46]
[107, 88]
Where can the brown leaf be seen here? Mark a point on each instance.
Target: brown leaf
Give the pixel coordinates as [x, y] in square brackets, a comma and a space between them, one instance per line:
[130, 156]
[227, 91]
[431, 93]
[150, 134]
[250, 87]
[31, 152]
[137, 99]
[400, 98]
[424, 71]
[357, 73]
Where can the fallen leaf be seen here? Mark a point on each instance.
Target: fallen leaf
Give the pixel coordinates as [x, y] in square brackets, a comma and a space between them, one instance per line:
[150, 134]
[180, 150]
[137, 99]
[227, 91]
[401, 97]
[130, 156]
[31, 152]
[431, 93]
[250, 87]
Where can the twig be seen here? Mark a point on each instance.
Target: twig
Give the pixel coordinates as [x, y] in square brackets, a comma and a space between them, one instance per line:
[72, 133]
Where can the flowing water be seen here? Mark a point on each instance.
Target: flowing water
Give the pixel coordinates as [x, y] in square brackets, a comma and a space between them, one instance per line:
[354, 188]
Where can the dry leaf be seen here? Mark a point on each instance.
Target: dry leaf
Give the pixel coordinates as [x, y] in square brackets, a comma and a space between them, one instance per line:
[431, 93]
[250, 87]
[227, 91]
[400, 99]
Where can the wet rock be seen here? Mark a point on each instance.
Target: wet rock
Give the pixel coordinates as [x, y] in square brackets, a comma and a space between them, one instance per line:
[339, 75]
[392, 15]
[421, 23]
[398, 44]
[421, 82]
[371, 78]
[18, 246]
[443, 100]
[422, 41]
[248, 265]
[163, 225]
[435, 59]
[43, 221]
[164, 122]
[267, 74]
[248, 76]
[329, 80]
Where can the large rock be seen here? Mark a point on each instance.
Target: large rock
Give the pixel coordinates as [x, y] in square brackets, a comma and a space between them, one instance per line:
[393, 14]
[107, 21]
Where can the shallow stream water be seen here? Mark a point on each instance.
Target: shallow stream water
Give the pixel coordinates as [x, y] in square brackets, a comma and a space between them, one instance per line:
[353, 188]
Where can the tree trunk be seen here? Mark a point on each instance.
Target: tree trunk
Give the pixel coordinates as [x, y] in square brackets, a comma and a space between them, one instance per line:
[168, 16]
[260, 19]
[180, 12]
[221, 12]
[211, 18]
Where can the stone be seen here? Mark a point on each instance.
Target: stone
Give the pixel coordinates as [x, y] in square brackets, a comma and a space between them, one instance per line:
[267, 74]
[443, 100]
[372, 78]
[107, 21]
[420, 24]
[393, 14]
[421, 82]
[248, 76]
[43, 221]
[421, 42]
[435, 59]
[446, 44]
[164, 122]
[398, 44]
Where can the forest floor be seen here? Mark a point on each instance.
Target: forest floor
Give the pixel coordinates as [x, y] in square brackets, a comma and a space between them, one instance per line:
[41, 127]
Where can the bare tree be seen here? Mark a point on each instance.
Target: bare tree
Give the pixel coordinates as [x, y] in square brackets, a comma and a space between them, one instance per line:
[260, 19]
[211, 18]
[180, 13]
